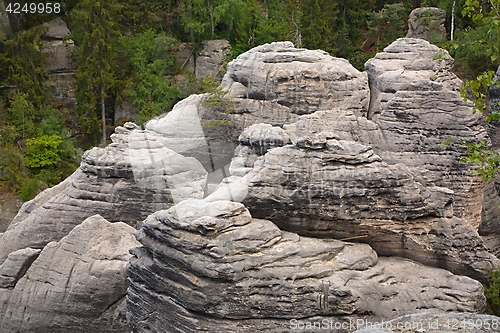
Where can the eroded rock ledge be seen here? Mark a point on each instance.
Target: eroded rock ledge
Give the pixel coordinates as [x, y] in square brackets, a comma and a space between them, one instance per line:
[210, 266]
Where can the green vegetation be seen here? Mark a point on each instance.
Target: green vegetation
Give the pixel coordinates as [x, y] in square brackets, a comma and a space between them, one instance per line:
[149, 57]
[96, 31]
[483, 54]
[492, 292]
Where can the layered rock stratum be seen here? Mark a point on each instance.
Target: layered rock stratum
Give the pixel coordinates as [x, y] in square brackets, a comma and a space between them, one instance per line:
[301, 189]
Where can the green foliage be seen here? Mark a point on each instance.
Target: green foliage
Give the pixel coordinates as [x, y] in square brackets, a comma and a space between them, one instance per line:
[486, 16]
[317, 23]
[13, 172]
[22, 66]
[149, 57]
[386, 25]
[211, 124]
[492, 292]
[487, 160]
[479, 89]
[43, 151]
[95, 30]
[22, 115]
[217, 97]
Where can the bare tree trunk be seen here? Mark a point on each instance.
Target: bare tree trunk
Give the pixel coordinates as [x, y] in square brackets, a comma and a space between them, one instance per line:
[103, 117]
[211, 18]
[452, 20]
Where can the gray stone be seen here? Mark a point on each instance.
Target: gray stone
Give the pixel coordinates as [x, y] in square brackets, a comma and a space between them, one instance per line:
[59, 63]
[408, 64]
[416, 122]
[131, 178]
[210, 266]
[16, 265]
[56, 29]
[77, 284]
[346, 191]
[427, 23]
[274, 83]
[211, 59]
[264, 137]
[184, 57]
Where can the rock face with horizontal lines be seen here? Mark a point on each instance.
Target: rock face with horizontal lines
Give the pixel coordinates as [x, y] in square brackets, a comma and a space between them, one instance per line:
[209, 266]
[131, 178]
[247, 239]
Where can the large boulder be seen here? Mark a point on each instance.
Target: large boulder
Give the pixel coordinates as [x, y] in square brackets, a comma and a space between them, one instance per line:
[425, 123]
[275, 83]
[210, 60]
[59, 63]
[427, 23]
[77, 284]
[209, 266]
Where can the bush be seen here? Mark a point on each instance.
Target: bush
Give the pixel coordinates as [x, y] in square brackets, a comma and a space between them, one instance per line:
[492, 293]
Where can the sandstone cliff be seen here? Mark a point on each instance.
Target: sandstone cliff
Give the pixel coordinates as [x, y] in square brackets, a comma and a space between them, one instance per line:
[243, 194]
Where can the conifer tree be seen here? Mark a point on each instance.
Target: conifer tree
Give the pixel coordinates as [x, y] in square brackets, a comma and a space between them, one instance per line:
[95, 30]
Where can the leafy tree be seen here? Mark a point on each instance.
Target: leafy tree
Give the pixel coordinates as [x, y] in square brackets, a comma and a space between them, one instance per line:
[385, 26]
[486, 14]
[43, 151]
[492, 293]
[95, 30]
[149, 56]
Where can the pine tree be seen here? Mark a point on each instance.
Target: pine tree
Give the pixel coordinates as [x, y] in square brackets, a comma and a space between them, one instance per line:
[95, 30]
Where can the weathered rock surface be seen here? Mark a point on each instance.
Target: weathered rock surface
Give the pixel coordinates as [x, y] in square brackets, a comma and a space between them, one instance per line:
[77, 284]
[344, 190]
[126, 181]
[274, 83]
[416, 104]
[59, 63]
[210, 266]
[427, 23]
[16, 265]
[408, 64]
[211, 59]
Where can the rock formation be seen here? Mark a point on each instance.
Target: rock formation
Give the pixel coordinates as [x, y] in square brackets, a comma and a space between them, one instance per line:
[126, 181]
[322, 150]
[59, 63]
[427, 23]
[76, 284]
[211, 59]
[275, 83]
[210, 266]
[389, 180]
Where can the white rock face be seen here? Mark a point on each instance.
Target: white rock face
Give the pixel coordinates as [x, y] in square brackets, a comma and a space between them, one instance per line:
[77, 284]
[408, 64]
[274, 83]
